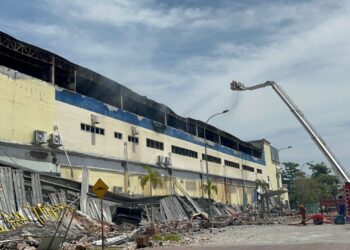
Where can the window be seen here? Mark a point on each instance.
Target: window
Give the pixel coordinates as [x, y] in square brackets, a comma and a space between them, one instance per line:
[257, 153]
[92, 129]
[184, 152]
[247, 168]
[212, 159]
[231, 164]
[259, 171]
[133, 139]
[154, 144]
[118, 135]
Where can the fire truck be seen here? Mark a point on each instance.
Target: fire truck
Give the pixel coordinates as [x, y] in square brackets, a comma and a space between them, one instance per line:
[336, 166]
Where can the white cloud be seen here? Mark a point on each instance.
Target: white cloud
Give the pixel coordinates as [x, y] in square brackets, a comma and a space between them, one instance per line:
[180, 55]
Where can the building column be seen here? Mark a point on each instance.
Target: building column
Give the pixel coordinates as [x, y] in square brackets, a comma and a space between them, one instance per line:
[52, 71]
[125, 164]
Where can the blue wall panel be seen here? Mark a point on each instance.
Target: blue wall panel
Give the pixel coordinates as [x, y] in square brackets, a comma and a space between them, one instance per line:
[96, 106]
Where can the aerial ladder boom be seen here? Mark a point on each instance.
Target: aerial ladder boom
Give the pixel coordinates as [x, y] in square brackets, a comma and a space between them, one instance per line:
[338, 169]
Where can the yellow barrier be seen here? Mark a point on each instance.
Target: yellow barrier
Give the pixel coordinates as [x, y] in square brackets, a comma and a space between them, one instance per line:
[10, 221]
[20, 218]
[39, 213]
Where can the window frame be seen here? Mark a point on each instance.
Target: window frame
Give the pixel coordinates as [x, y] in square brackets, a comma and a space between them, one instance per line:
[211, 158]
[133, 139]
[248, 168]
[92, 129]
[231, 164]
[118, 135]
[184, 152]
[154, 144]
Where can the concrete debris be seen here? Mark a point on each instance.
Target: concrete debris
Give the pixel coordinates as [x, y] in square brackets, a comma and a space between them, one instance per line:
[50, 217]
[171, 209]
[179, 226]
[143, 241]
[94, 210]
[117, 240]
[83, 232]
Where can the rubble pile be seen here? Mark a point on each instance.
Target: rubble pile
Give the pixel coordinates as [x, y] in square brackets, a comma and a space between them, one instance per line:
[224, 215]
[86, 232]
[176, 226]
[38, 212]
[79, 231]
[83, 233]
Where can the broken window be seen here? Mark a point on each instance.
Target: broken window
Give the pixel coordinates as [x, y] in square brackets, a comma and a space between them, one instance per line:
[228, 142]
[245, 149]
[191, 128]
[137, 106]
[257, 153]
[211, 136]
[176, 122]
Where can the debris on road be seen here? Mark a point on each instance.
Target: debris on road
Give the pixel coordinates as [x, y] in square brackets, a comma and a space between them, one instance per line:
[52, 215]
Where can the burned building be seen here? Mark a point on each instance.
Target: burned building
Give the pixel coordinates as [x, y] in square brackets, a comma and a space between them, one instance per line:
[60, 117]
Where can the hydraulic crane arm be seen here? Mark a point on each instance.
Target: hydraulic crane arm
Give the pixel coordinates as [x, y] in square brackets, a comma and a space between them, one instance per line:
[338, 169]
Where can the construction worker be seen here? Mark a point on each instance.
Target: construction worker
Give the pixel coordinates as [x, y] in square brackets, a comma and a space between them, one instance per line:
[302, 211]
[340, 218]
[342, 209]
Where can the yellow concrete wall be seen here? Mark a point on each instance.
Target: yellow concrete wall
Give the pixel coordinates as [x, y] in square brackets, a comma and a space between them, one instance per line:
[239, 194]
[270, 170]
[249, 191]
[26, 105]
[111, 178]
[29, 104]
[66, 173]
[69, 118]
[220, 196]
[196, 190]
[135, 184]
[235, 194]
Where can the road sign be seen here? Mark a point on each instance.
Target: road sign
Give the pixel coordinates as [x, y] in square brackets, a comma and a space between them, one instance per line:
[100, 188]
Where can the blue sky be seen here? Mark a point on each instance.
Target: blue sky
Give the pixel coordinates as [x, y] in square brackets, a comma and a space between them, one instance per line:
[185, 54]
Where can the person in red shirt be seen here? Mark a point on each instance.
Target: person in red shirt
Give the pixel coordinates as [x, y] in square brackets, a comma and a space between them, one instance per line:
[318, 219]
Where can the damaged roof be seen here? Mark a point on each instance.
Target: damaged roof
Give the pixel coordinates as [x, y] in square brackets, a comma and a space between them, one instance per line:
[38, 63]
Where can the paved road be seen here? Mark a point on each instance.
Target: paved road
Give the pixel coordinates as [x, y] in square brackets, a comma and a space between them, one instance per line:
[271, 237]
[308, 246]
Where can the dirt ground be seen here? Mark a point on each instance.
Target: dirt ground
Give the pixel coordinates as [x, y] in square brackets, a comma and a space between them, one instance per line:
[272, 237]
